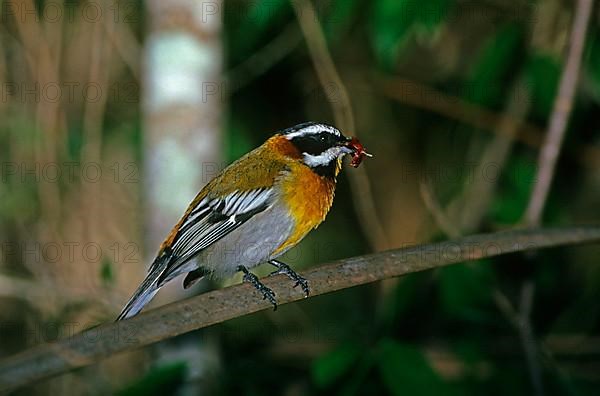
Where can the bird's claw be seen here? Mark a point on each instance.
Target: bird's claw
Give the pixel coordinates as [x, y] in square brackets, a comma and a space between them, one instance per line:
[293, 275]
[267, 293]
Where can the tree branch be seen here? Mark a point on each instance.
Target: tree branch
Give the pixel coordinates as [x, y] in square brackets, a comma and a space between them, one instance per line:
[563, 104]
[339, 99]
[220, 305]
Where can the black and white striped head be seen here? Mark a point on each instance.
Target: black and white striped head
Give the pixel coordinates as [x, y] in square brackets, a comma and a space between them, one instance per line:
[321, 146]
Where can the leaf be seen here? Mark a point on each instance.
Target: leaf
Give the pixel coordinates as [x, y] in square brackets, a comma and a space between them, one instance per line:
[487, 79]
[339, 18]
[106, 272]
[330, 367]
[405, 371]
[465, 287]
[248, 23]
[592, 66]
[18, 202]
[238, 141]
[408, 290]
[543, 73]
[159, 381]
[515, 184]
[394, 21]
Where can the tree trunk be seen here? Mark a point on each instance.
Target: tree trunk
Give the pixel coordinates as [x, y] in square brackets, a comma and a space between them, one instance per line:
[182, 121]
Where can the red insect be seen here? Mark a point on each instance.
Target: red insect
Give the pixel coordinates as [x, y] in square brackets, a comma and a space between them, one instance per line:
[359, 152]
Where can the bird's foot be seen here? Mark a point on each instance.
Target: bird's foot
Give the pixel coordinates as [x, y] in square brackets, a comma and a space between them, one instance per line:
[267, 293]
[285, 269]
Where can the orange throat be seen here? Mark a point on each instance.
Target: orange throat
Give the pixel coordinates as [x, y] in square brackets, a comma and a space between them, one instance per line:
[309, 198]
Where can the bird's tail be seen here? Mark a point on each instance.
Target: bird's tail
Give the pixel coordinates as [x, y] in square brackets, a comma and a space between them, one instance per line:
[146, 291]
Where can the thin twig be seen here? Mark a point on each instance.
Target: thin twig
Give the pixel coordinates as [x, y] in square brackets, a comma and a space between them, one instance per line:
[39, 294]
[44, 65]
[437, 212]
[93, 115]
[424, 97]
[126, 45]
[528, 338]
[266, 57]
[338, 98]
[478, 193]
[521, 320]
[563, 105]
[224, 304]
[419, 95]
[324, 66]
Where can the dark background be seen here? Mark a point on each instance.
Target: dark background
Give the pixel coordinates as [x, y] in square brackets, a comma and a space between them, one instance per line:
[453, 99]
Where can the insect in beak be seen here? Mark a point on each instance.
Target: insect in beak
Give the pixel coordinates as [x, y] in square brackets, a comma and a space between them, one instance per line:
[358, 150]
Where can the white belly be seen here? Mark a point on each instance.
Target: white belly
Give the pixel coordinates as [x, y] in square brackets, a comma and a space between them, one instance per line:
[251, 244]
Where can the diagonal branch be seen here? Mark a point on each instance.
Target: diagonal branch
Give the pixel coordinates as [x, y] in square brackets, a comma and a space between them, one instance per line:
[220, 305]
[563, 104]
[339, 99]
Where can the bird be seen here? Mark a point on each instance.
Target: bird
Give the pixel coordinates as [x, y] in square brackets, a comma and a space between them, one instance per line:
[254, 211]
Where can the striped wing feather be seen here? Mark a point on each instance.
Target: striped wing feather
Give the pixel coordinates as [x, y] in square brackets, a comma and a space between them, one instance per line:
[211, 220]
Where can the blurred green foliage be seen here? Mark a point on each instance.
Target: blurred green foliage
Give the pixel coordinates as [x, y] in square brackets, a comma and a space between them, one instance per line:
[436, 333]
[163, 380]
[495, 65]
[394, 22]
[542, 72]
[405, 371]
[382, 348]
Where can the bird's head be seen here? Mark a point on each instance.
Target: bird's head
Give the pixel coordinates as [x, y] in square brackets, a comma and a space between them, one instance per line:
[323, 146]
